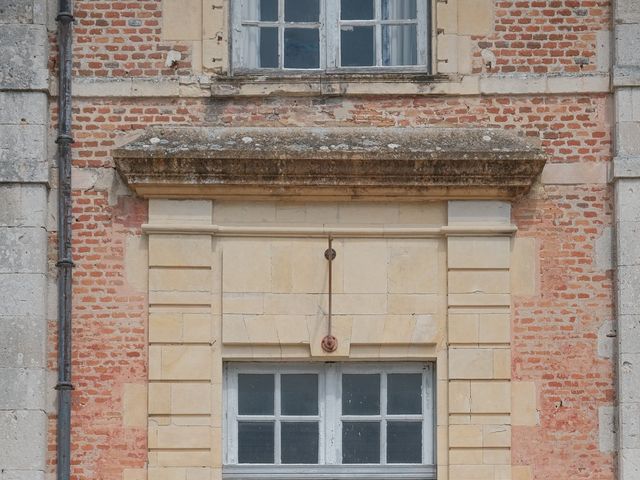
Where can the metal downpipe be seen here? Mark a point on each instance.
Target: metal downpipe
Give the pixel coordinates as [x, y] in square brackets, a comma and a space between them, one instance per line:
[65, 263]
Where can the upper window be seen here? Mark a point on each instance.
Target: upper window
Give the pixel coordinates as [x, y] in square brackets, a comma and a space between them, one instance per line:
[282, 35]
[360, 420]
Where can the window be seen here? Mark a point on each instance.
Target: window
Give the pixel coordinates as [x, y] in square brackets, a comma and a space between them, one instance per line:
[281, 35]
[329, 421]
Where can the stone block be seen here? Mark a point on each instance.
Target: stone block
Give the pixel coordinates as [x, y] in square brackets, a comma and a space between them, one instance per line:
[494, 328]
[23, 436]
[459, 397]
[496, 456]
[365, 266]
[246, 266]
[480, 299]
[413, 267]
[182, 19]
[398, 304]
[496, 436]
[159, 398]
[463, 328]
[627, 197]
[359, 304]
[183, 437]
[627, 11]
[629, 377]
[299, 266]
[628, 333]
[471, 472]
[23, 250]
[447, 53]
[23, 205]
[465, 436]
[607, 427]
[628, 281]
[470, 363]
[521, 472]
[243, 303]
[22, 341]
[191, 362]
[184, 458]
[181, 212]
[134, 474]
[295, 304]
[28, 143]
[191, 399]
[629, 425]
[479, 252]
[21, 11]
[627, 38]
[465, 456]
[22, 294]
[628, 248]
[134, 405]
[25, 54]
[490, 397]
[523, 404]
[478, 213]
[180, 251]
[603, 252]
[447, 16]
[23, 388]
[576, 173]
[502, 363]
[629, 463]
[627, 138]
[180, 286]
[23, 108]
[478, 282]
[237, 212]
[603, 50]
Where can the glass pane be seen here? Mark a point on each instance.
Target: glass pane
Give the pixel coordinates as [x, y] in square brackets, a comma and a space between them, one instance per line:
[255, 394]
[404, 442]
[260, 10]
[301, 48]
[399, 9]
[399, 45]
[300, 442]
[361, 394]
[404, 393]
[357, 46]
[260, 47]
[357, 10]
[360, 442]
[299, 394]
[255, 442]
[301, 10]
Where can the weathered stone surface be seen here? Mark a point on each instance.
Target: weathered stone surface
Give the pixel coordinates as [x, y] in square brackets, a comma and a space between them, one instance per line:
[627, 44]
[23, 205]
[22, 108]
[628, 281]
[629, 333]
[629, 372]
[606, 428]
[627, 11]
[22, 341]
[24, 57]
[23, 388]
[22, 11]
[628, 249]
[22, 475]
[441, 162]
[630, 425]
[23, 153]
[23, 250]
[23, 440]
[22, 293]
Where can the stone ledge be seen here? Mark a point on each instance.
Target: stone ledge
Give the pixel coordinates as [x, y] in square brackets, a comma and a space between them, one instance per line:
[402, 163]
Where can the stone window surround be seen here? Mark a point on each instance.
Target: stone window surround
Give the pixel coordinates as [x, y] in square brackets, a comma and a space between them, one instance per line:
[329, 467]
[206, 25]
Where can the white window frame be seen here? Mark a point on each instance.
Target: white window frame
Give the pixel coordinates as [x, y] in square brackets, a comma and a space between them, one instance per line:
[329, 27]
[330, 423]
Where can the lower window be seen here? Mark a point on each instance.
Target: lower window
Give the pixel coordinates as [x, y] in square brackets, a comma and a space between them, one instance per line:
[332, 420]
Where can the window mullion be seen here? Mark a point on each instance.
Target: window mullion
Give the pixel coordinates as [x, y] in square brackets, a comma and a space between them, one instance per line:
[383, 422]
[281, 34]
[277, 427]
[378, 32]
[332, 416]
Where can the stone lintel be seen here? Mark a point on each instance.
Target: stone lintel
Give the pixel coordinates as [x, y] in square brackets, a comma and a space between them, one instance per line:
[330, 162]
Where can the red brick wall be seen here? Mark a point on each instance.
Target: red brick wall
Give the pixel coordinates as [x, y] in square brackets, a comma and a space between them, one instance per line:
[554, 333]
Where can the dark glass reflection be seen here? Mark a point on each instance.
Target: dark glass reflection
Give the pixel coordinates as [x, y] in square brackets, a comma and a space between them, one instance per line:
[255, 394]
[299, 442]
[301, 48]
[255, 442]
[299, 394]
[301, 10]
[268, 47]
[357, 46]
[360, 442]
[404, 393]
[357, 10]
[404, 442]
[360, 394]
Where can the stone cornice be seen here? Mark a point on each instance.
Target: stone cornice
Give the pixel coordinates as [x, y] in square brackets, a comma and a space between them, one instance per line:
[348, 162]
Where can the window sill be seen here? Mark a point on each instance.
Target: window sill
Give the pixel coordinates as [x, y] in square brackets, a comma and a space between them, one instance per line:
[356, 83]
[326, 472]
